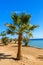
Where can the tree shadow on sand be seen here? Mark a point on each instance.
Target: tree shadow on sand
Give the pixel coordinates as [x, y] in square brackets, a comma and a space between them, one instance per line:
[1, 44]
[40, 57]
[3, 56]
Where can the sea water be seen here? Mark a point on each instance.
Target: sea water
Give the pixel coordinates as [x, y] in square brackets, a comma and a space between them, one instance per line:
[36, 43]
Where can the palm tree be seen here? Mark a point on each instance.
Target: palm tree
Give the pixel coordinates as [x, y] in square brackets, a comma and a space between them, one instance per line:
[3, 34]
[27, 37]
[4, 38]
[21, 24]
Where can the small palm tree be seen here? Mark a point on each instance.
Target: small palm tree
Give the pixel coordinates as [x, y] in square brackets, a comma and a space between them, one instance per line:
[21, 24]
[4, 38]
[27, 37]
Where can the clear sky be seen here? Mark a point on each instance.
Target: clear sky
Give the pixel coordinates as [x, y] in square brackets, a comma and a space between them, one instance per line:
[33, 7]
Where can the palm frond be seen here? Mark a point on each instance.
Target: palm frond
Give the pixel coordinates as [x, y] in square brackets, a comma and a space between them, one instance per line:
[25, 27]
[10, 26]
[3, 33]
[30, 34]
[9, 32]
[33, 27]
[25, 18]
[15, 18]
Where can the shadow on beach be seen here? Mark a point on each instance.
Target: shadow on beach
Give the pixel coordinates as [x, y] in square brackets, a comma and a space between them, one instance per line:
[40, 57]
[1, 44]
[3, 56]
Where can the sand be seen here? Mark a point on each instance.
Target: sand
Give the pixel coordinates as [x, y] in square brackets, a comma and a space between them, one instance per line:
[30, 55]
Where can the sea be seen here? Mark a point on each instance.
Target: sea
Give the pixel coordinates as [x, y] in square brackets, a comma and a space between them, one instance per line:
[38, 43]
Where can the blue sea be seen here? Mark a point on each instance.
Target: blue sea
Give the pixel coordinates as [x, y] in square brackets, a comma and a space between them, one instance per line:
[36, 43]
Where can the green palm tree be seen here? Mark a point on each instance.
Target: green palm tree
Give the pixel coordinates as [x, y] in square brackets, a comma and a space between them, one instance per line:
[27, 37]
[3, 34]
[4, 38]
[21, 24]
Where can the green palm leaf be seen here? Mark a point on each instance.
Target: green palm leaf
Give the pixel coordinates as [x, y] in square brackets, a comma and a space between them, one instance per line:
[33, 27]
[25, 18]
[30, 34]
[15, 18]
[10, 32]
[3, 33]
[11, 26]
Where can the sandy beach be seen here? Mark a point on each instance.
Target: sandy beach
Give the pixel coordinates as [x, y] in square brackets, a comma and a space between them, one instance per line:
[30, 55]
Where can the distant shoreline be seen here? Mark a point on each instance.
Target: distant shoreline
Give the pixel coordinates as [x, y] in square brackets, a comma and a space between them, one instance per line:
[37, 39]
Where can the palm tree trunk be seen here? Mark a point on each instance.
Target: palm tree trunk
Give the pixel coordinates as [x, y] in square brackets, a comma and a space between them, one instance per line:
[19, 46]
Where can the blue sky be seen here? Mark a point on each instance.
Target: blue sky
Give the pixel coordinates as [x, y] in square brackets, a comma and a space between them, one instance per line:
[33, 7]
